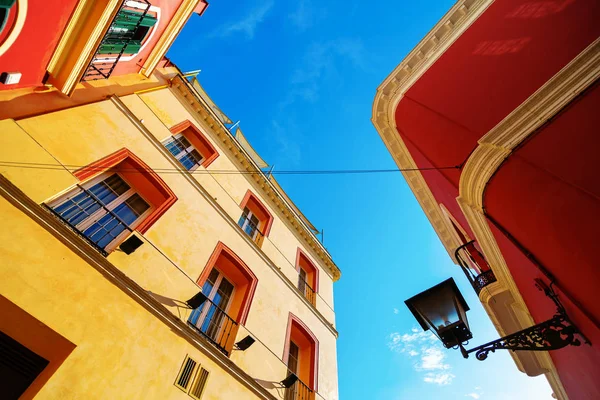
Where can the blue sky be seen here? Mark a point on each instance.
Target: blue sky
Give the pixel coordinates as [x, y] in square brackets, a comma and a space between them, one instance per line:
[301, 77]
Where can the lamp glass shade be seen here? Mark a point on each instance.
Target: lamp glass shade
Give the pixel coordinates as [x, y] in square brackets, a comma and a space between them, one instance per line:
[442, 309]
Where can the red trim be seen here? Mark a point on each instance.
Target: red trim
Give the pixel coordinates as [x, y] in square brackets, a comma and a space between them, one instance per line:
[208, 147]
[269, 222]
[286, 348]
[300, 253]
[201, 7]
[247, 272]
[112, 161]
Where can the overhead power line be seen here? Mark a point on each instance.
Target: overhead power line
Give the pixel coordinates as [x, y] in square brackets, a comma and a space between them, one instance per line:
[62, 167]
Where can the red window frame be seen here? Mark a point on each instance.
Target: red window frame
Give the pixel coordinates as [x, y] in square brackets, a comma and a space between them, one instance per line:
[140, 175]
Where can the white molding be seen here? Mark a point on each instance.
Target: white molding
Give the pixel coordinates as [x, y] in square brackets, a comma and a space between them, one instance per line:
[456, 21]
[270, 192]
[211, 200]
[493, 149]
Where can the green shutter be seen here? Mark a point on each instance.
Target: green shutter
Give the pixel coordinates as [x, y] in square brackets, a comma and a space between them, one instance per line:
[133, 47]
[129, 19]
[115, 47]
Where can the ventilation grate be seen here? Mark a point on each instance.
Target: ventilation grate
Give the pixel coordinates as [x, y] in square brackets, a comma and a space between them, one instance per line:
[186, 373]
[199, 384]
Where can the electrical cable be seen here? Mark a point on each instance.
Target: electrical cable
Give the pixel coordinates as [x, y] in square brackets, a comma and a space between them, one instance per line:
[68, 167]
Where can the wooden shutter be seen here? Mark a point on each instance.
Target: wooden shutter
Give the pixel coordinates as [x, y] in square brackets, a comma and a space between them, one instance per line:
[19, 367]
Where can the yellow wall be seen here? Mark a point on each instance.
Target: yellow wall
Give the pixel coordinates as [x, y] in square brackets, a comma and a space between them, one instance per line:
[186, 234]
[122, 351]
[282, 243]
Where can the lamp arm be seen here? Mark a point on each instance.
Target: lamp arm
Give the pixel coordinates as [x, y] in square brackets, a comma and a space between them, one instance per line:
[553, 334]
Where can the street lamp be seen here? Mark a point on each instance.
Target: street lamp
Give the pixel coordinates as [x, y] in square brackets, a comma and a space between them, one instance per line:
[442, 309]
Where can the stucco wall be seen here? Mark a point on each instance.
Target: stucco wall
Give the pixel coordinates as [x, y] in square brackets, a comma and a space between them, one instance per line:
[122, 350]
[185, 235]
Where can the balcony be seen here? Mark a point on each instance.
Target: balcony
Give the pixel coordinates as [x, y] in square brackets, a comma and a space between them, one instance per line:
[215, 325]
[299, 391]
[307, 291]
[121, 38]
[474, 266]
[250, 226]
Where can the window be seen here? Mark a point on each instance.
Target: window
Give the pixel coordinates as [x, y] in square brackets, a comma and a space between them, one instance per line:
[118, 194]
[255, 220]
[308, 277]
[103, 210]
[125, 31]
[184, 152]
[211, 318]
[189, 146]
[301, 356]
[192, 378]
[229, 286]
[6, 13]
[249, 223]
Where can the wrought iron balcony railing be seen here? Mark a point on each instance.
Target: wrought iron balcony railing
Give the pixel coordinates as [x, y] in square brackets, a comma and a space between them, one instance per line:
[214, 324]
[299, 391]
[478, 275]
[121, 38]
[308, 292]
[251, 229]
[117, 225]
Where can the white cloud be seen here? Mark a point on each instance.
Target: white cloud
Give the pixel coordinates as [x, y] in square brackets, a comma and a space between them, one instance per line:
[440, 378]
[306, 14]
[429, 353]
[287, 148]
[475, 394]
[433, 359]
[321, 61]
[248, 24]
[396, 311]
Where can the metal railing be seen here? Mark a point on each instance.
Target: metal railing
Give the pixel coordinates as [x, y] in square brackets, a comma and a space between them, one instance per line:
[214, 324]
[478, 275]
[102, 64]
[251, 229]
[308, 292]
[79, 232]
[299, 391]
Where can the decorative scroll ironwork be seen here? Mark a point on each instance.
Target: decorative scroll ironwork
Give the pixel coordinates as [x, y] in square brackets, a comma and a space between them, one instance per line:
[74, 230]
[214, 324]
[483, 279]
[477, 281]
[553, 334]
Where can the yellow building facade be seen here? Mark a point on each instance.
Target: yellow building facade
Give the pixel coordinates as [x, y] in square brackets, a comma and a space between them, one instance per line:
[145, 255]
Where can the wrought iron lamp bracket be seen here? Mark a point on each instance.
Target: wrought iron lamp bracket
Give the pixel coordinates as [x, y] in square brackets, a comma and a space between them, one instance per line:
[553, 334]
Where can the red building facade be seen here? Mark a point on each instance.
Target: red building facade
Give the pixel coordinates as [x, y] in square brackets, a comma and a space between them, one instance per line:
[503, 97]
[59, 44]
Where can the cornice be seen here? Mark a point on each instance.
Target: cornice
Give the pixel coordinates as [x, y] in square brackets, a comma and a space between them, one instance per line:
[70, 37]
[269, 191]
[136, 122]
[183, 13]
[496, 145]
[391, 91]
[84, 250]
